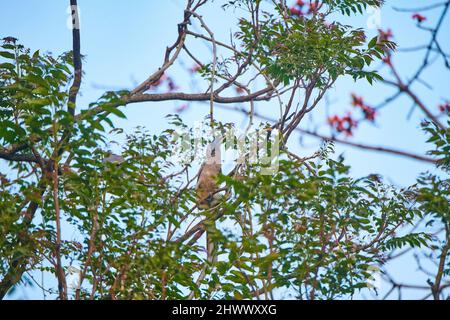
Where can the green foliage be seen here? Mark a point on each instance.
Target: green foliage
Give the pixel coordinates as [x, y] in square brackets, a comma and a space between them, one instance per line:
[352, 6]
[311, 49]
[31, 93]
[129, 205]
[441, 139]
[33, 117]
[310, 229]
[318, 231]
[433, 191]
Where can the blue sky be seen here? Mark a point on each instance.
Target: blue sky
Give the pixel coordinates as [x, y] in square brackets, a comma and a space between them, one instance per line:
[124, 41]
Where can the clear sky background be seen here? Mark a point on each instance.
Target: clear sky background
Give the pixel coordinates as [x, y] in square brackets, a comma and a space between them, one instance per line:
[124, 41]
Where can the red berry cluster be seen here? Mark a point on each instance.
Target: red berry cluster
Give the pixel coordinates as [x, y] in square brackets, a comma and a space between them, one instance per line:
[300, 8]
[369, 112]
[445, 107]
[420, 18]
[344, 124]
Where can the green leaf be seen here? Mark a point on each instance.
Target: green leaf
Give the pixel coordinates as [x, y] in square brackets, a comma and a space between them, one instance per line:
[373, 42]
[7, 55]
[7, 65]
[114, 110]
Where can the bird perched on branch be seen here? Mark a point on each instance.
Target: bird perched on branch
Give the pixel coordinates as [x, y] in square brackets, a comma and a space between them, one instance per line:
[207, 185]
[207, 195]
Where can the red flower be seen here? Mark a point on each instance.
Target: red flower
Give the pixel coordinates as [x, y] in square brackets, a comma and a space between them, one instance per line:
[348, 124]
[420, 18]
[312, 6]
[295, 12]
[333, 120]
[195, 68]
[181, 108]
[158, 82]
[164, 80]
[300, 3]
[171, 84]
[357, 101]
[387, 60]
[239, 90]
[445, 107]
[345, 124]
[369, 112]
[385, 35]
